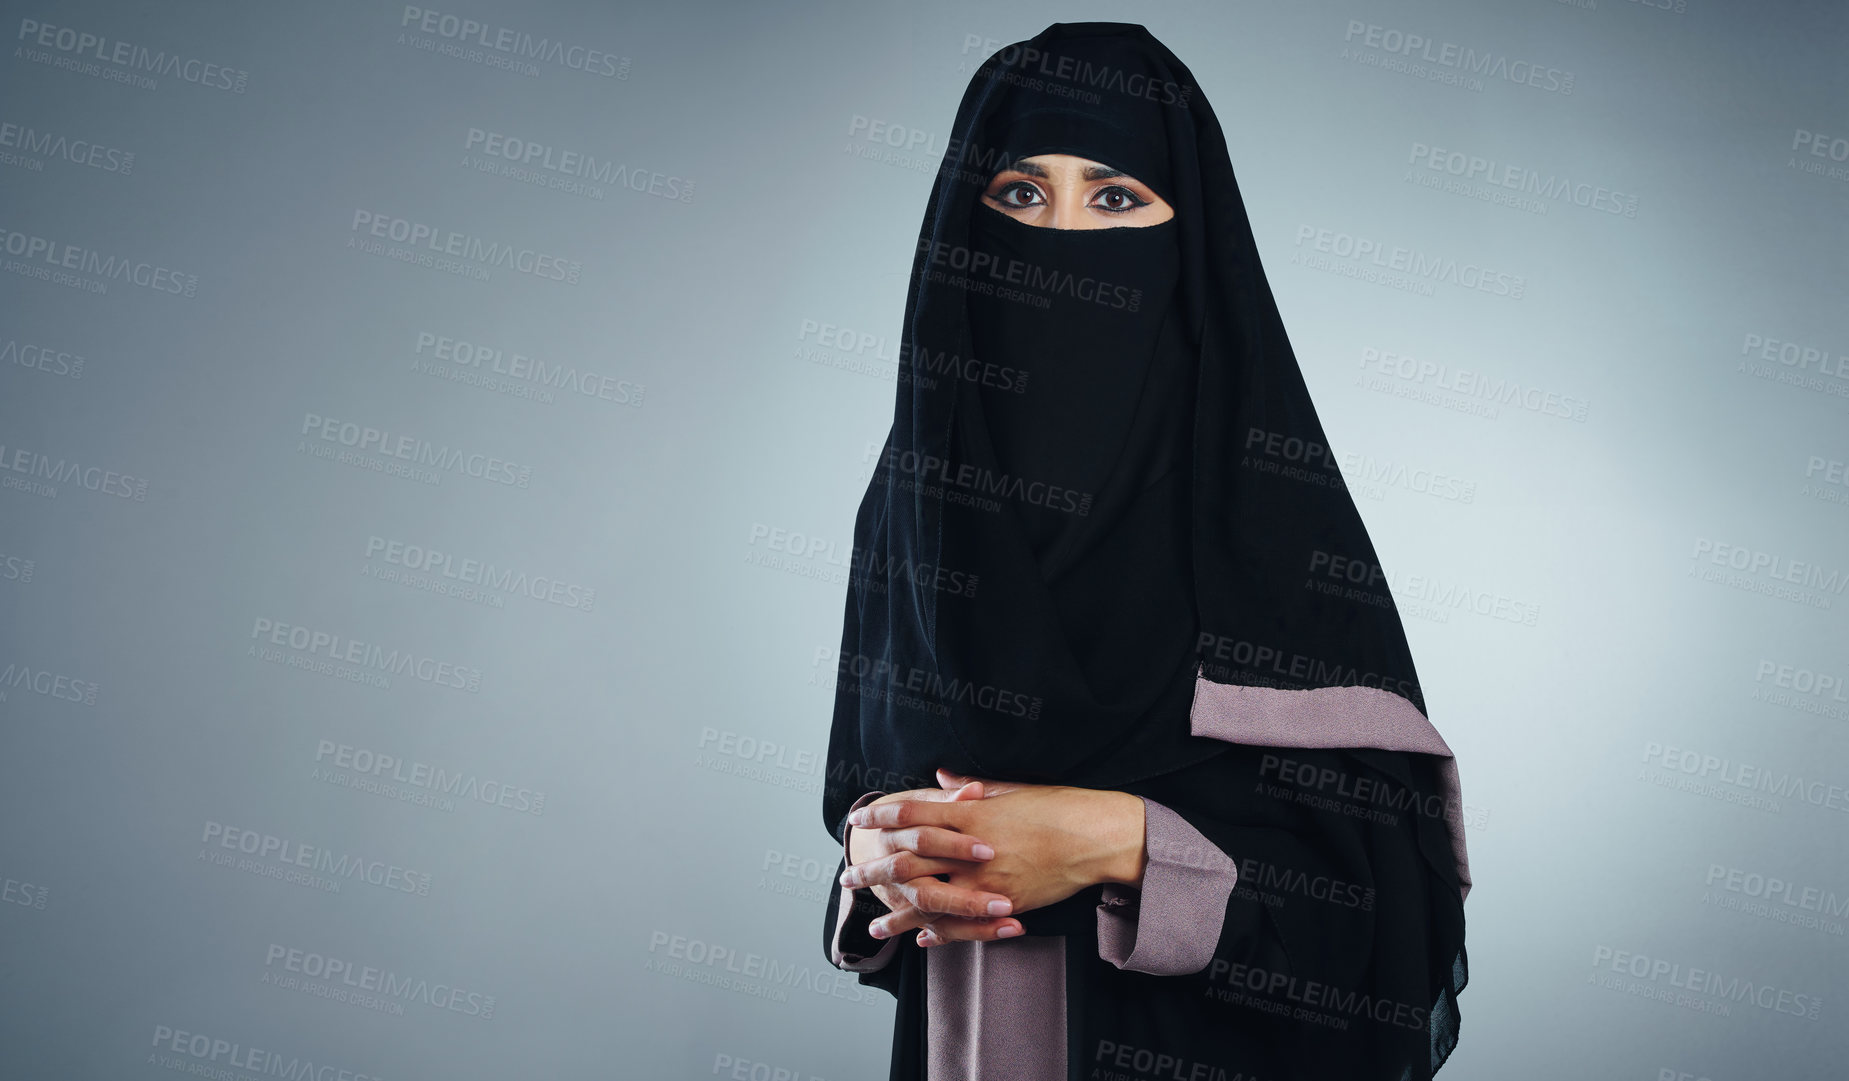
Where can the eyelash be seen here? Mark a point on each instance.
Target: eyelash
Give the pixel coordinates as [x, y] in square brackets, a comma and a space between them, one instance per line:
[1114, 189]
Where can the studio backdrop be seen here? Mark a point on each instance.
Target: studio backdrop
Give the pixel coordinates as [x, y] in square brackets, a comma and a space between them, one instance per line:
[430, 441]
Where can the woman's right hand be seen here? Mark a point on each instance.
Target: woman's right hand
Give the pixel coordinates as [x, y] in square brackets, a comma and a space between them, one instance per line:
[918, 853]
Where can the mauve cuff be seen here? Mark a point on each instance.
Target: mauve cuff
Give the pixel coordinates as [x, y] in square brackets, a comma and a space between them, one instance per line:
[1171, 925]
[853, 948]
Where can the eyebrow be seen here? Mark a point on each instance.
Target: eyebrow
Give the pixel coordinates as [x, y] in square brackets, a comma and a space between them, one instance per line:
[1090, 172]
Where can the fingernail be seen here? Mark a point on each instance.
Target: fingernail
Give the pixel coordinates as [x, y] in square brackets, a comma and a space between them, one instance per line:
[983, 852]
[1007, 930]
[848, 879]
[926, 938]
[857, 818]
[877, 929]
[1000, 908]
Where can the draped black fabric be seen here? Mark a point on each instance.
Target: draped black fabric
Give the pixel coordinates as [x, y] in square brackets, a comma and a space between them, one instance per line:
[1106, 484]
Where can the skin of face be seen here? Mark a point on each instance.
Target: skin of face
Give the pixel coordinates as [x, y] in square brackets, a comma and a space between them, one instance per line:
[1061, 191]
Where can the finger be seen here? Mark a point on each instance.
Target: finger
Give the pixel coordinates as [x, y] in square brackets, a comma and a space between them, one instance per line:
[901, 919]
[943, 899]
[958, 929]
[906, 916]
[930, 809]
[966, 791]
[899, 867]
[933, 795]
[927, 850]
[937, 841]
[910, 795]
[987, 786]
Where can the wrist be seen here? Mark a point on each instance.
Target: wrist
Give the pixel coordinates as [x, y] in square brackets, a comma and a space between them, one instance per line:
[1123, 854]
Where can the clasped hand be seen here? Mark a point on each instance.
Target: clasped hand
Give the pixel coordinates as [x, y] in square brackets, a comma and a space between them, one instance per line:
[1001, 847]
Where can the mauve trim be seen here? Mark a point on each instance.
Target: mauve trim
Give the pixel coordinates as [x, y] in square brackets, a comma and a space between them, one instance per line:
[1174, 919]
[1330, 717]
[996, 1011]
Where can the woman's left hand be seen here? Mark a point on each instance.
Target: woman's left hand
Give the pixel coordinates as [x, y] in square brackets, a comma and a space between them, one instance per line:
[1050, 841]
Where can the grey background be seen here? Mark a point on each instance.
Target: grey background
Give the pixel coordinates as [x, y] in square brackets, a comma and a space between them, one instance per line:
[159, 497]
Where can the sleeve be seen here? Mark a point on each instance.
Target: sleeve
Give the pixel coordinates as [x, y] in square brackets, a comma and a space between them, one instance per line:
[852, 947]
[1171, 924]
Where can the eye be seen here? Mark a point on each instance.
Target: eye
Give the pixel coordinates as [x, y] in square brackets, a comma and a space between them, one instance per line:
[1118, 199]
[1018, 187]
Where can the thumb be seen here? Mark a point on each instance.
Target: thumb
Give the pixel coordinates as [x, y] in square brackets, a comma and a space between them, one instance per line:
[963, 785]
[951, 780]
[948, 794]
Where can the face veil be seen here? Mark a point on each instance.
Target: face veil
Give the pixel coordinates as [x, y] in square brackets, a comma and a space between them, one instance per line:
[1106, 545]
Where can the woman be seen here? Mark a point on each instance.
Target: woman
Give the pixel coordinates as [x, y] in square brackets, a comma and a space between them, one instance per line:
[1129, 760]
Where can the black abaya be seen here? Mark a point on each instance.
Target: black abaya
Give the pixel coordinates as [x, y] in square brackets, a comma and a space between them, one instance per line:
[1167, 603]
